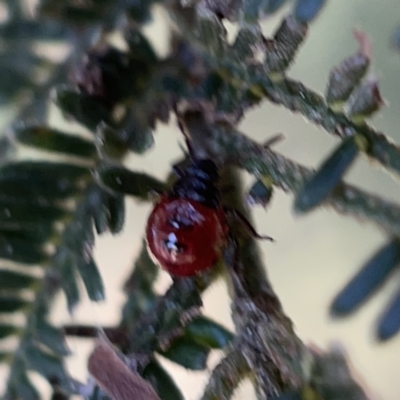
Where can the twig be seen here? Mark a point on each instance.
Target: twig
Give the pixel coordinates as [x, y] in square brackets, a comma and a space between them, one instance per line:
[226, 144]
[265, 335]
[164, 321]
[266, 347]
[298, 98]
[226, 376]
[291, 94]
[116, 336]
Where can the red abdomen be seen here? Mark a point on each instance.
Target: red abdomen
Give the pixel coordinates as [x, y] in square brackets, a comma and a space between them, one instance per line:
[186, 236]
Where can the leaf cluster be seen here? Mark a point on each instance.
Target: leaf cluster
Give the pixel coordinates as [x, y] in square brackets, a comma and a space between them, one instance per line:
[53, 209]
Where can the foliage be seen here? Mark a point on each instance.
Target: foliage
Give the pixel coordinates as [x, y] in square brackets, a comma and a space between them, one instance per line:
[52, 209]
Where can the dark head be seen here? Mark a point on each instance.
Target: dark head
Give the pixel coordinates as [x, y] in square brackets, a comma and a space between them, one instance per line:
[198, 182]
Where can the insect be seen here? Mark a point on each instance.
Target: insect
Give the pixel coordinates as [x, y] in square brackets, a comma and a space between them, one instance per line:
[187, 230]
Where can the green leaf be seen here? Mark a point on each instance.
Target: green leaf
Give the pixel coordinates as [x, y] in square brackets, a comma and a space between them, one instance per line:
[261, 192]
[329, 174]
[21, 59]
[139, 288]
[51, 337]
[134, 129]
[78, 236]
[140, 12]
[28, 213]
[5, 357]
[100, 219]
[389, 321]
[20, 250]
[107, 210]
[346, 76]
[365, 101]
[274, 5]
[208, 333]
[75, 14]
[34, 233]
[28, 170]
[254, 9]
[46, 138]
[307, 10]
[112, 76]
[91, 278]
[286, 42]
[23, 388]
[8, 330]
[187, 353]
[27, 29]
[97, 198]
[39, 190]
[368, 280]
[133, 132]
[40, 181]
[109, 143]
[294, 395]
[116, 213]
[11, 82]
[83, 108]
[10, 304]
[12, 280]
[121, 180]
[139, 46]
[65, 265]
[211, 33]
[162, 382]
[36, 110]
[246, 42]
[23, 231]
[46, 364]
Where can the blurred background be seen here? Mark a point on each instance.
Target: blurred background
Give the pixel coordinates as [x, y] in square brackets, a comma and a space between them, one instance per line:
[314, 255]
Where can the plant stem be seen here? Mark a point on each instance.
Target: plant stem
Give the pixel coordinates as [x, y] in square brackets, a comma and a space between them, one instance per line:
[226, 144]
[266, 347]
[265, 335]
[165, 319]
[297, 97]
[291, 94]
[226, 376]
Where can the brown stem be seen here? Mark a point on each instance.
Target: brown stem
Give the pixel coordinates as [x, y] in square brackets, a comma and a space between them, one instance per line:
[296, 97]
[117, 336]
[224, 143]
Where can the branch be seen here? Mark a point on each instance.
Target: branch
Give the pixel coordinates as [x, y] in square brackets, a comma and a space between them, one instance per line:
[298, 98]
[265, 335]
[234, 66]
[226, 376]
[165, 319]
[226, 144]
[266, 347]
